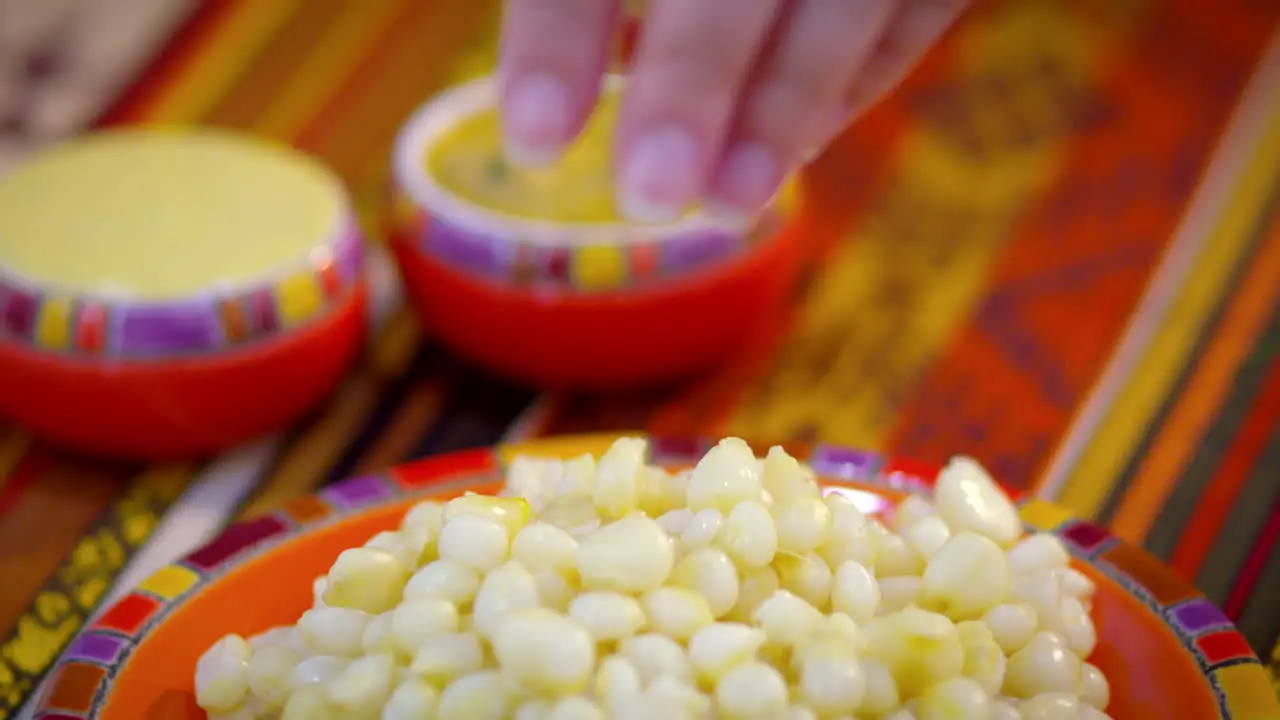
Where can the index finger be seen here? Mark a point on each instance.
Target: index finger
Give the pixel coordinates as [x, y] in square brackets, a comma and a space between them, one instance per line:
[553, 55]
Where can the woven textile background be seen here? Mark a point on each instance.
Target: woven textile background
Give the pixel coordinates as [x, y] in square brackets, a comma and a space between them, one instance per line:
[1055, 248]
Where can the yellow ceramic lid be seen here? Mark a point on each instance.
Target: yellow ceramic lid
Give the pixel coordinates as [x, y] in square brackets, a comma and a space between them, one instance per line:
[160, 215]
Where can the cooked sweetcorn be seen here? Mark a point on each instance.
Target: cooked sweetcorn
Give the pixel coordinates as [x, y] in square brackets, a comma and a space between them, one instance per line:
[592, 589]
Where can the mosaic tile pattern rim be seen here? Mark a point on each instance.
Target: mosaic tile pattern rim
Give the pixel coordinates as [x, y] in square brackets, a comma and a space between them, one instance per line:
[116, 327]
[82, 677]
[527, 251]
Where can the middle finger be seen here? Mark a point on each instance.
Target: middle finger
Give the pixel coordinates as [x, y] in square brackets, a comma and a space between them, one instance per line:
[693, 58]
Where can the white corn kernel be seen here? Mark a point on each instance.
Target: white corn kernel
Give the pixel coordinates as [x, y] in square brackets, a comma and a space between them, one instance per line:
[675, 522]
[607, 615]
[618, 477]
[755, 587]
[895, 558]
[897, 592]
[702, 528]
[334, 630]
[881, 692]
[662, 492]
[926, 537]
[448, 657]
[967, 498]
[510, 512]
[984, 661]
[365, 579]
[803, 524]
[710, 573]
[1012, 625]
[617, 682]
[752, 690]
[1040, 551]
[448, 579]
[966, 578]
[676, 612]
[631, 555]
[540, 546]
[832, 683]
[1077, 627]
[503, 591]
[575, 514]
[477, 541]
[725, 476]
[412, 699]
[222, 674]
[910, 511]
[787, 619]
[851, 536]
[1094, 688]
[480, 696]
[269, 671]
[807, 576]
[718, 647]
[785, 479]
[749, 535]
[364, 686]
[317, 671]
[1051, 706]
[854, 591]
[415, 622]
[553, 590]
[655, 655]
[576, 708]
[1041, 590]
[545, 651]
[1043, 665]
[955, 699]
[1075, 583]
[396, 543]
[309, 704]
[918, 647]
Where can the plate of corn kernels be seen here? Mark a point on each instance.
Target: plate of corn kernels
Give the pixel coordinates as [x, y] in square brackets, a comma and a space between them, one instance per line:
[583, 578]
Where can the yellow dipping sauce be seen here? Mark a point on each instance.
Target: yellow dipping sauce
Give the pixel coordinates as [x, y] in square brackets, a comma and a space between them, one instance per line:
[163, 215]
[468, 161]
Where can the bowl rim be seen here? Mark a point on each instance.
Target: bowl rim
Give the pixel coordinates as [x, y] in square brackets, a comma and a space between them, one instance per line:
[245, 541]
[412, 176]
[323, 250]
[198, 322]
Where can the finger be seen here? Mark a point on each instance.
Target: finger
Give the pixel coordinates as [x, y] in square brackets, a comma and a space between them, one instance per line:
[796, 89]
[552, 57]
[915, 27]
[691, 62]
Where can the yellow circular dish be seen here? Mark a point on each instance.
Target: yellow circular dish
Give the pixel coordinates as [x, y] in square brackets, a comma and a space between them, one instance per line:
[467, 160]
[162, 215]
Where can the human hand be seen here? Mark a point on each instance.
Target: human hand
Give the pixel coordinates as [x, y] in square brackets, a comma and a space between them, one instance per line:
[724, 96]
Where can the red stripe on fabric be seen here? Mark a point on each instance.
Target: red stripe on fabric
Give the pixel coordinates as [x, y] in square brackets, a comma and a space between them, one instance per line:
[167, 67]
[1214, 506]
[1258, 558]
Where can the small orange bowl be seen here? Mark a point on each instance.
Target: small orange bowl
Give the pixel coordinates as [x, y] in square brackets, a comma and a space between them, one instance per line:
[91, 362]
[1166, 650]
[580, 305]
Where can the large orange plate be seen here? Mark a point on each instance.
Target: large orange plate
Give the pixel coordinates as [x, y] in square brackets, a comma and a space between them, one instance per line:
[1168, 652]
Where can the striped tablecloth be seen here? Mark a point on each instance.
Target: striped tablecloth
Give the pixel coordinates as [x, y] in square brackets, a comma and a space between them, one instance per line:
[1056, 248]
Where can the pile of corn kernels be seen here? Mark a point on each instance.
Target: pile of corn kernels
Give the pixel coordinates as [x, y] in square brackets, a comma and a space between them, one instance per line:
[614, 589]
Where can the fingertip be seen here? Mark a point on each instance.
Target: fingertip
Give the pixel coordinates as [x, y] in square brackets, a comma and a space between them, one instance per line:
[537, 119]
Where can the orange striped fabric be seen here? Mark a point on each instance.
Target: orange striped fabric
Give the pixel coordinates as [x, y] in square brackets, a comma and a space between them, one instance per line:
[1055, 248]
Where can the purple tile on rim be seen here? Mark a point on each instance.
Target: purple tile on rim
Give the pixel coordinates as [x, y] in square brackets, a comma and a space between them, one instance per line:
[96, 647]
[1085, 535]
[348, 254]
[1196, 616]
[468, 249]
[236, 539]
[19, 313]
[843, 463]
[356, 492]
[692, 252]
[179, 327]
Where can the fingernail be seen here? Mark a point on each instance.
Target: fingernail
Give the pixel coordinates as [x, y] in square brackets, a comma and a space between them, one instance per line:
[748, 178]
[536, 120]
[659, 178]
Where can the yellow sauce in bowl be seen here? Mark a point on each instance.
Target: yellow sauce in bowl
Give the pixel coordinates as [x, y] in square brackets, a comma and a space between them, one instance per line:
[163, 215]
[467, 160]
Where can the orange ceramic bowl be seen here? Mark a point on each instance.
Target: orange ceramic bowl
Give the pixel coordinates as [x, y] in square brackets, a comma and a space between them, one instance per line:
[579, 305]
[191, 343]
[1167, 651]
